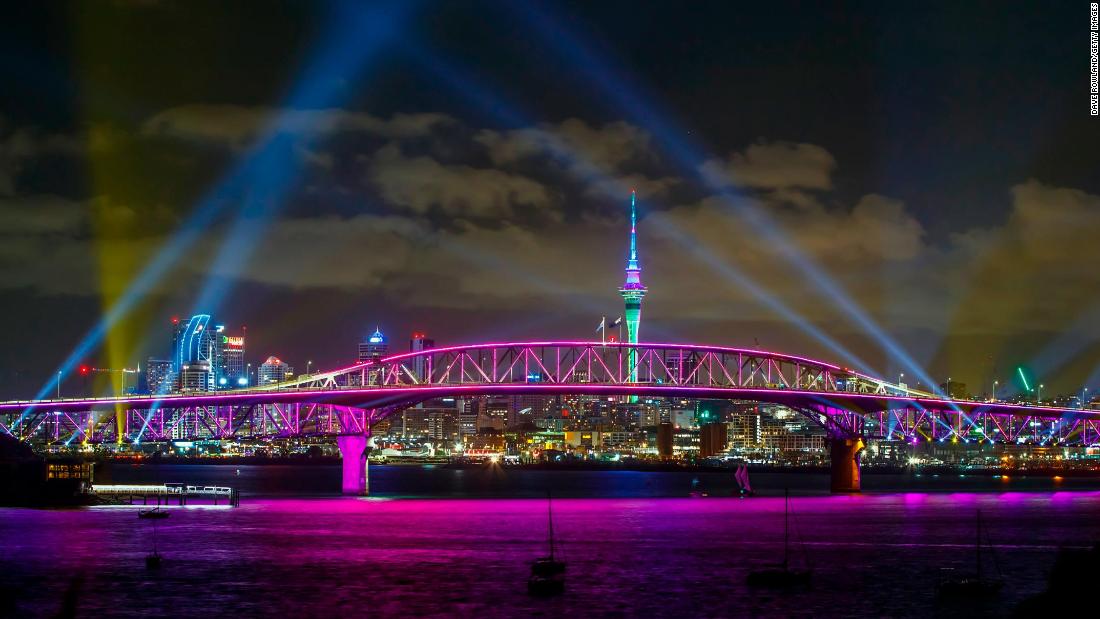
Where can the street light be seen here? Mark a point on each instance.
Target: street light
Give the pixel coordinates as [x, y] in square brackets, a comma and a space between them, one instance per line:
[1039, 394]
[995, 383]
[308, 365]
[59, 385]
[1084, 390]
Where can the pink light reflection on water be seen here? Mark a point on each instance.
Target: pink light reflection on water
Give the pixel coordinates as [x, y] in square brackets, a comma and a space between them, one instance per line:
[338, 556]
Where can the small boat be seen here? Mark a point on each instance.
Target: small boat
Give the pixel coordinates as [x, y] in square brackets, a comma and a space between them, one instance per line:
[782, 575]
[153, 514]
[547, 573]
[977, 585]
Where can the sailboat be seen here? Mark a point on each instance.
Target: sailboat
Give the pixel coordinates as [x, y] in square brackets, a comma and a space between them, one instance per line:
[547, 573]
[782, 575]
[973, 586]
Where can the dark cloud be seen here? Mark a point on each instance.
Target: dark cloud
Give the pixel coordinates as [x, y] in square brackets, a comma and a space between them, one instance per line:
[774, 165]
[421, 184]
[21, 146]
[238, 126]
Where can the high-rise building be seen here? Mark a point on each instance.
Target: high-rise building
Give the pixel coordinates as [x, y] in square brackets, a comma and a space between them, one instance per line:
[632, 292]
[159, 377]
[195, 348]
[442, 424]
[274, 370]
[233, 371]
[467, 417]
[420, 342]
[374, 347]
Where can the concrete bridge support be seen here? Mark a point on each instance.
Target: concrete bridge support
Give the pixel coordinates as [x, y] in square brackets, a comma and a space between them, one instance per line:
[353, 452]
[845, 452]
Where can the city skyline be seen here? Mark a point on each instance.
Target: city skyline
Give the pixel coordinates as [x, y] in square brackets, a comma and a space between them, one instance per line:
[299, 301]
[465, 217]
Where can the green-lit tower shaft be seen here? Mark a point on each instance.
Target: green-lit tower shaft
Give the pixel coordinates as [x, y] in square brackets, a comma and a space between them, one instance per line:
[632, 291]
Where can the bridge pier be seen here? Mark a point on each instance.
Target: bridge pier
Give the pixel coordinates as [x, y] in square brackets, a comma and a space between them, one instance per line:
[844, 473]
[353, 453]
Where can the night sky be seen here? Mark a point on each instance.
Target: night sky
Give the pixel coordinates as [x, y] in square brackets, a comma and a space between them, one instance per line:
[894, 187]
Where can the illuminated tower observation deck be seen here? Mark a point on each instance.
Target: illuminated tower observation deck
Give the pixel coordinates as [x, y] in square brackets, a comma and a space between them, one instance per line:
[632, 291]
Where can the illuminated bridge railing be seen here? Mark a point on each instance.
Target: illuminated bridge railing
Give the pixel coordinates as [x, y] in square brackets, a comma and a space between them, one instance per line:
[578, 363]
[352, 399]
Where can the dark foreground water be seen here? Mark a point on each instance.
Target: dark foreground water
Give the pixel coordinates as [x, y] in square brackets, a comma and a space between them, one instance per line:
[630, 553]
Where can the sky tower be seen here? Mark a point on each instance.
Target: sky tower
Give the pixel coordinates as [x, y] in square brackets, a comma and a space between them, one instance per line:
[633, 290]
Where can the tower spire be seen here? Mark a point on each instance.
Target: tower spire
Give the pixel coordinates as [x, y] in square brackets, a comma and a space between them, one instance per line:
[633, 263]
[633, 269]
[632, 292]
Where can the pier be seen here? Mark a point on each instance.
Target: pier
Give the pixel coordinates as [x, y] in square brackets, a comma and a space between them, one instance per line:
[166, 494]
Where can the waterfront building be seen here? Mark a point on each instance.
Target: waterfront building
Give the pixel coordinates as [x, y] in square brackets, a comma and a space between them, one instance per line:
[712, 439]
[664, 440]
[467, 417]
[493, 413]
[443, 424]
[273, 370]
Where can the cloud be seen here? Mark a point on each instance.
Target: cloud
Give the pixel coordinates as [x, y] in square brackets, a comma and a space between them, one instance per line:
[606, 147]
[24, 145]
[604, 159]
[773, 165]
[237, 126]
[45, 216]
[421, 184]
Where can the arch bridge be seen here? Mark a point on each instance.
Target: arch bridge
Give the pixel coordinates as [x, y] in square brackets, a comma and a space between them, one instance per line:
[347, 401]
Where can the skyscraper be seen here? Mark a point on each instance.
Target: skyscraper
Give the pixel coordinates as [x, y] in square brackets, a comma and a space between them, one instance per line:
[231, 362]
[420, 342]
[632, 292]
[195, 352]
[374, 347]
[159, 377]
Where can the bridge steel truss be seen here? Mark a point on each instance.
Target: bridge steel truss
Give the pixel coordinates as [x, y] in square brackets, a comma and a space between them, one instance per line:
[349, 400]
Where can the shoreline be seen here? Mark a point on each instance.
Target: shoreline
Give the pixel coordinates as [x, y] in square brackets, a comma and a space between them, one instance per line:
[643, 467]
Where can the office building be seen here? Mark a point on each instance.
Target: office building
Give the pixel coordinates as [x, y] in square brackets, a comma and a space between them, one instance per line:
[272, 371]
[420, 342]
[159, 377]
[374, 347]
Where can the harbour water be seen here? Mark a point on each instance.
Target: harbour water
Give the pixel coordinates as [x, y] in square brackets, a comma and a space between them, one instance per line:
[444, 542]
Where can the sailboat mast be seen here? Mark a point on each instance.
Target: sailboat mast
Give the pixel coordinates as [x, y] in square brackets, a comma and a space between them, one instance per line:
[786, 526]
[550, 525]
[978, 546]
